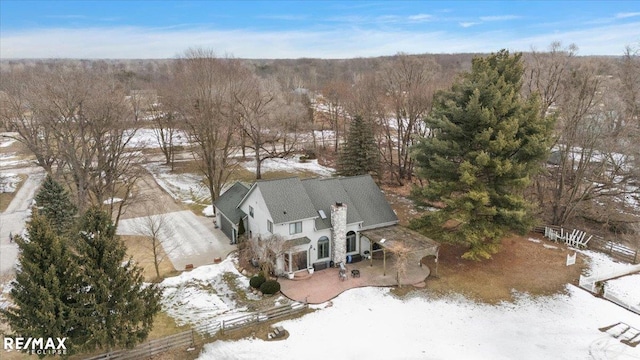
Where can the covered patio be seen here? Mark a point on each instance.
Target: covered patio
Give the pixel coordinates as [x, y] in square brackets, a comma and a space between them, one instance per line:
[379, 270]
[396, 238]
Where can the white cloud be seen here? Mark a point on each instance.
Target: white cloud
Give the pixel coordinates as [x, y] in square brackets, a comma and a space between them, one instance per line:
[499, 17]
[468, 24]
[627, 15]
[421, 17]
[342, 42]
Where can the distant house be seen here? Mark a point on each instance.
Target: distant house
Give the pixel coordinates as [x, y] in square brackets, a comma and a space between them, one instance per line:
[324, 219]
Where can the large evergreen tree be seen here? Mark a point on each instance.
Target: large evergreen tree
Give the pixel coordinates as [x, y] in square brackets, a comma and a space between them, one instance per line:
[360, 154]
[45, 290]
[54, 203]
[486, 141]
[119, 307]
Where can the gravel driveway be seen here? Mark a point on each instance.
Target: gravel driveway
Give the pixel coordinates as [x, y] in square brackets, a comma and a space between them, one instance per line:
[188, 238]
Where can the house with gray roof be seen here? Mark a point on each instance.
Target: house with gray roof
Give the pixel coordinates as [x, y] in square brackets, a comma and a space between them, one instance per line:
[323, 219]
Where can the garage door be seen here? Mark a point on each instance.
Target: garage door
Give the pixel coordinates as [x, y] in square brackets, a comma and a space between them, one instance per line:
[226, 227]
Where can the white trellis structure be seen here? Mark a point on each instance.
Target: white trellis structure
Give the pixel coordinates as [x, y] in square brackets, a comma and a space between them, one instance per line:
[575, 239]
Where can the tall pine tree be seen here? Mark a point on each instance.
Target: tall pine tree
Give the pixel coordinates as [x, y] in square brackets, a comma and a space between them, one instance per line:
[45, 290]
[119, 307]
[360, 154]
[54, 203]
[486, 141]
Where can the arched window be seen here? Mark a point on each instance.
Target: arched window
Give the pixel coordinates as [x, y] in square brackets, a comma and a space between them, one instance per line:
[323, 247]
[351, 242]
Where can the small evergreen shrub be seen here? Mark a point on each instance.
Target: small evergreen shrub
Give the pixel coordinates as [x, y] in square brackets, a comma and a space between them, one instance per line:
[270, 287]
[257, 280]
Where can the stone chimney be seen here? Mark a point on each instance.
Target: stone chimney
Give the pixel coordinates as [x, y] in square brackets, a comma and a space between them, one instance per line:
[339, 232]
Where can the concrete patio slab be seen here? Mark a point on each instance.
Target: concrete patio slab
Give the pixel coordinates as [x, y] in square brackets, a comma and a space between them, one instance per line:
[324, 285]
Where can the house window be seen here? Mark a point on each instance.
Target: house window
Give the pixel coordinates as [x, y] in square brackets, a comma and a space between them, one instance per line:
[295, 228]
[270, 226]
[323, 247]
[251, 210]
[351, 241]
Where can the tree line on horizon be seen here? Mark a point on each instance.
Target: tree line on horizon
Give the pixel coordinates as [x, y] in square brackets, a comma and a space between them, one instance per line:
[78, 117]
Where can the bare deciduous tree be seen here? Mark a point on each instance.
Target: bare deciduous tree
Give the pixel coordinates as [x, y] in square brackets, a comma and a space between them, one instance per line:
[79, 123]
[268, 117]
[589, 163]
[409, 93]
[19, 114]
[402, 254]
[203, 98]
[335, 95]
[155, 226]
[546, 71]
[267, 251]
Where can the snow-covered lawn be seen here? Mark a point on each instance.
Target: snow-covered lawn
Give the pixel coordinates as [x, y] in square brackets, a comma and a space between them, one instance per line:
[290, 165]
[146, 138]
[201, 295]
[208, 294]
[626, 288]
[187, 188]
[372, 323]
[369, 323]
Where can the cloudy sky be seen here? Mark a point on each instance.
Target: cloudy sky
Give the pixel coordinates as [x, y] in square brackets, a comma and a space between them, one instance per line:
[323, 29]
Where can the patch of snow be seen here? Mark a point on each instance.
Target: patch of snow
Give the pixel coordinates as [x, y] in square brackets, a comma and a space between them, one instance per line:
[11, 160]
[602, 264]
[5, 140]
[549, 246]
[183, 187]
[208, 211]
[146, 138]
[112, 201]
[9, 182]
[534, 240]
[626, 288]
[201, 295]
[290, 164]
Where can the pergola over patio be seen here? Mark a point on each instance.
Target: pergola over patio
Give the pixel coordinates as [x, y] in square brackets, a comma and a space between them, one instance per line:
[417, 245]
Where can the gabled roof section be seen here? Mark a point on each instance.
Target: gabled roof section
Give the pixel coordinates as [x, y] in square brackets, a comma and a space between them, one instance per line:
[286, 199]
[369, 200]
[326, 192]
[228, 202]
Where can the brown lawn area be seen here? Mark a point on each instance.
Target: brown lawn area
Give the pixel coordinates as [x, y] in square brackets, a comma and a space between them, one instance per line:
[138, 247]
[521, 265]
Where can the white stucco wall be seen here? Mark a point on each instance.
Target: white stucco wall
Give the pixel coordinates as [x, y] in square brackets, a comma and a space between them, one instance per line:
[258, 223]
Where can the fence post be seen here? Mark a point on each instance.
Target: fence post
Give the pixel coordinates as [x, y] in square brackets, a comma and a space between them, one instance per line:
[610, 247]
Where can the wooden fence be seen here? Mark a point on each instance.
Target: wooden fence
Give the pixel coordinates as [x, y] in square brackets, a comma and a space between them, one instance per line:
[598, 243]
[190, 338]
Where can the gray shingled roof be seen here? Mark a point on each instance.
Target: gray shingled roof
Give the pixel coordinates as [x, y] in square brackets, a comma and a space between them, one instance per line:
[326, 192]
[286, 199]
[293, 199]
[228, 202]
[369, 200]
